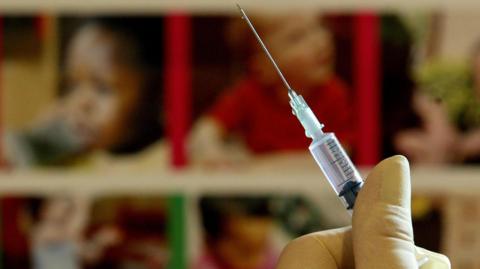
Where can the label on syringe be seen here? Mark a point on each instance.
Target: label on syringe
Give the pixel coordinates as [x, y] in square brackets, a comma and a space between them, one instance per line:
[337, 167]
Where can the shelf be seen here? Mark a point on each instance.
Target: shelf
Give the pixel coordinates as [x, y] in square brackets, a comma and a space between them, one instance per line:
[220, 6]
[253, 180]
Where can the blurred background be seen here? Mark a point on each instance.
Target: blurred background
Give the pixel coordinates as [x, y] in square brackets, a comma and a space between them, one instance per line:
[157, 135]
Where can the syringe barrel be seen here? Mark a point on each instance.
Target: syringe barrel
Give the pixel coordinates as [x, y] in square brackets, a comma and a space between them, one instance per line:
[337, 168]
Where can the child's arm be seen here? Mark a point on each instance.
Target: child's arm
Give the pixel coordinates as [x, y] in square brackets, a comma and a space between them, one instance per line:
[208, 146]
[59, 225]
[92, 250]
[79, 217]
[207, 141]
[469, 145]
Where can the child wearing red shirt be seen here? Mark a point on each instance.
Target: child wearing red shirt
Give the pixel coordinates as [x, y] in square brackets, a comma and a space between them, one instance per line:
[256, 109]
[265, 121]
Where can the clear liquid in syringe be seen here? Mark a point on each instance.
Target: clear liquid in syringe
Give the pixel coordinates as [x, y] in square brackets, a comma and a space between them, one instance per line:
[337, 167]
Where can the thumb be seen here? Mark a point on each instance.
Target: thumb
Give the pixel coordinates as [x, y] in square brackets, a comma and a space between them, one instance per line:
[382, 226]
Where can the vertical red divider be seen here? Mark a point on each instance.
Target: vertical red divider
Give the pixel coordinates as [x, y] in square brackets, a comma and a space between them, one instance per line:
[40, 26]
[178, 84]
[3, 202]
[368, 89]
[2, 162]
[13, 243]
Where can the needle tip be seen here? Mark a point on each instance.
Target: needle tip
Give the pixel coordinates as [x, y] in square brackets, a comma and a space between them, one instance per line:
[241, 10]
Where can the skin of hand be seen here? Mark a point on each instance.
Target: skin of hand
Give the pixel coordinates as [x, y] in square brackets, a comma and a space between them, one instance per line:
[381, 235]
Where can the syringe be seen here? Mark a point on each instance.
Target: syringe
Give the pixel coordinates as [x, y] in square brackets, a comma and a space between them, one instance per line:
[325, 147]
[327, 151]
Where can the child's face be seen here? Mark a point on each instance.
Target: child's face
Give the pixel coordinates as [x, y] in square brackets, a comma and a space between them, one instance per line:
[244, 244]
[103, 88]
[301, 47]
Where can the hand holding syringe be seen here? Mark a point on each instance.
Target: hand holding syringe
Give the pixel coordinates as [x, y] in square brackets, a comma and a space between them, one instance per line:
[325, 147]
